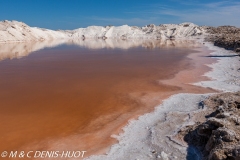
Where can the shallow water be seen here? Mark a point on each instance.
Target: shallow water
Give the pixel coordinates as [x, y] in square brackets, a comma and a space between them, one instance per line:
[74, 95]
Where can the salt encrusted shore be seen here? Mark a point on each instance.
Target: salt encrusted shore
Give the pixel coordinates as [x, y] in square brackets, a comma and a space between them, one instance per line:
[155, 135]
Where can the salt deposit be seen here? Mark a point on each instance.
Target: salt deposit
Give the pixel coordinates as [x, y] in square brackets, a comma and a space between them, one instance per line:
[14, 31]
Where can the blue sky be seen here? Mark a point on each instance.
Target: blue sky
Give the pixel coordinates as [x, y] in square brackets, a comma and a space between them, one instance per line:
[71, 14]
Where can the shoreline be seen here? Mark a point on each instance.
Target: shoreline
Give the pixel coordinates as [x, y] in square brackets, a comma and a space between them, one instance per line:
[148, 137]
[198, 52]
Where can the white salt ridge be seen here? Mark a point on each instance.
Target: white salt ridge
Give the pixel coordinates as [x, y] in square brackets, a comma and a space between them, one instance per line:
[228, 66]
[147, 137]
[14, 31]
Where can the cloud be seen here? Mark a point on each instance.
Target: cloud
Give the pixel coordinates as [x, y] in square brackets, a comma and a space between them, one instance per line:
[214, 14]
[208, 13]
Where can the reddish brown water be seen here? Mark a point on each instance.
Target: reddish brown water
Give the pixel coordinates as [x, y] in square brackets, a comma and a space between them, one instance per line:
[73, 98]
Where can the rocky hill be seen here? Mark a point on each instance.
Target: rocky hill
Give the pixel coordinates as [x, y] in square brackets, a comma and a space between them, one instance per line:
[227, 37]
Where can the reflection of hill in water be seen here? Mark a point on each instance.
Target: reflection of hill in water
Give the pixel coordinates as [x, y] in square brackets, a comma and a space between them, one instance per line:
[18, 50]
[126, 44]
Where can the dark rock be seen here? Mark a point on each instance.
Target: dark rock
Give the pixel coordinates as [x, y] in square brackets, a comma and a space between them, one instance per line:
[218, 138]
[237, 49]
[227, 37]
[215, 123]
[104, 37]
[204, 130]
[225, 134]
[218, 155]
[83, 37]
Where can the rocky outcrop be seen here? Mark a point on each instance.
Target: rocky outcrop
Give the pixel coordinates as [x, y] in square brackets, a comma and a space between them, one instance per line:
[13, 31]
[218, 138]
[227, 37]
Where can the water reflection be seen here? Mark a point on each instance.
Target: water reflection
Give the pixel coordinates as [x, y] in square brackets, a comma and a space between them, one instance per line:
[19, 50]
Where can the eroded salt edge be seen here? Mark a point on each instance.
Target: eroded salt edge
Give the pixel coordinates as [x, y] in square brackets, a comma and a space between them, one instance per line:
[226, 73]
[149, 137]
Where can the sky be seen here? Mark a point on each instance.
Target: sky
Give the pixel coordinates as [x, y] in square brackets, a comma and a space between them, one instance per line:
[72, 14]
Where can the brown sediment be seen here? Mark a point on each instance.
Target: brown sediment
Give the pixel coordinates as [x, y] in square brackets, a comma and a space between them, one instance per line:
[216, 131]
[53, 100]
